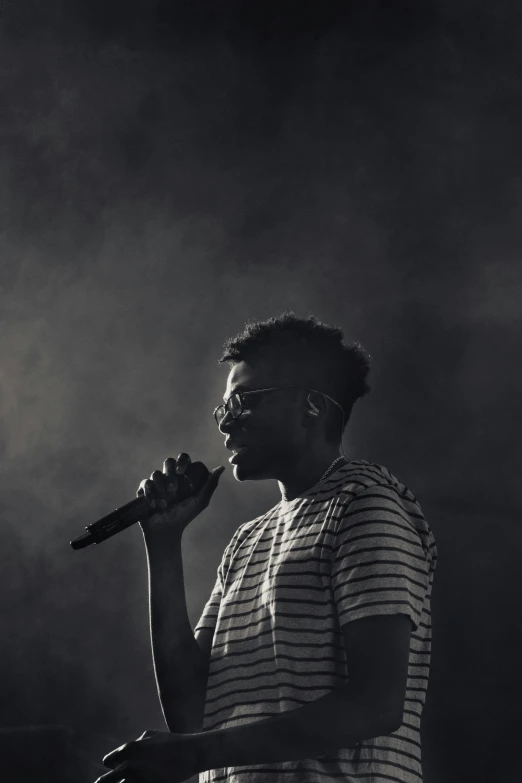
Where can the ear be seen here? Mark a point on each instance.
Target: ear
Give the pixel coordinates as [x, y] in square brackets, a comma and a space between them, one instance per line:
[313, 410]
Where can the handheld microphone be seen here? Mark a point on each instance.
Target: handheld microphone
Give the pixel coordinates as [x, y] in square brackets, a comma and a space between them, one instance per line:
[188, 484]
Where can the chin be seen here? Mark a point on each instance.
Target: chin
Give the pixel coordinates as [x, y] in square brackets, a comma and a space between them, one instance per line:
[255, 463]
[251, 472]
[242, 473]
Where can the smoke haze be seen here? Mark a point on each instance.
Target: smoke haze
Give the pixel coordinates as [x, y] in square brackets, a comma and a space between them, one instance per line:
[167, 173]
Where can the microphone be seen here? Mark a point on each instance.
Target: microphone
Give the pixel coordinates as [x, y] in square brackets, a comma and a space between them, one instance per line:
[125, 516]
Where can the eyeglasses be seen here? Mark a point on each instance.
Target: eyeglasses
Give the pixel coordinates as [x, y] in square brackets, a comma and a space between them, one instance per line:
[234, 404]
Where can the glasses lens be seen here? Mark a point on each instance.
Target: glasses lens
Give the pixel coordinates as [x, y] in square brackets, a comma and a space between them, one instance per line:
[234, 405]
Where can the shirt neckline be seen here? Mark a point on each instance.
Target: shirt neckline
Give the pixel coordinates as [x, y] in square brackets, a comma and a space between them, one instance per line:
[286, 504]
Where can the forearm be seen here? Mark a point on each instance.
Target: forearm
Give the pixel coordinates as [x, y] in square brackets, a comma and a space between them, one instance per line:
[340, 719]
[181, 668]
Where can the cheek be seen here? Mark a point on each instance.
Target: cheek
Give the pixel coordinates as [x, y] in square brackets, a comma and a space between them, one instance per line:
[277, 427]
[284, 436]
[276, 430]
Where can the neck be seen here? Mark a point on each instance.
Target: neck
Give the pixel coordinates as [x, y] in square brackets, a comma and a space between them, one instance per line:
[307, 472]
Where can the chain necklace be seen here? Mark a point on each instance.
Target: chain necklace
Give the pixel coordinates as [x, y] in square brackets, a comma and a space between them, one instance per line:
[330, 469]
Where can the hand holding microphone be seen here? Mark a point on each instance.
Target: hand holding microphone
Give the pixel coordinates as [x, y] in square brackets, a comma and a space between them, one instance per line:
[170, 508]
[168, 500]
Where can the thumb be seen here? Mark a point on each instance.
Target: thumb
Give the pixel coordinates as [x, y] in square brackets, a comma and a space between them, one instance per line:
[211, 483]
[148, 734]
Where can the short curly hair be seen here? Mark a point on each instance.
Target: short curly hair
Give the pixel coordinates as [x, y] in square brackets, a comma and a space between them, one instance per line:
[317, 351]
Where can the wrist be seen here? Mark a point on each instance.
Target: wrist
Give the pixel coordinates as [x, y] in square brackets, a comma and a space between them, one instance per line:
[159, 537]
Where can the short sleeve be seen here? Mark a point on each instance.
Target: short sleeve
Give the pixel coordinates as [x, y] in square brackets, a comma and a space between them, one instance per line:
[379, 562]
[210, 613]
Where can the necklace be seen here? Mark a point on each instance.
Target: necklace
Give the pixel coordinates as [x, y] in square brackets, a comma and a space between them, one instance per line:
[329, 470]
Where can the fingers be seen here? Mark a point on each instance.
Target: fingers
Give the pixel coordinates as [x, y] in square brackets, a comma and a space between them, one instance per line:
[117, 775]
[171, 478]
[159, 488]
[147, 735]
[173, 471]
[183, 462]
[147, 490]
[122, 761]
[119, 756]
[162, 487]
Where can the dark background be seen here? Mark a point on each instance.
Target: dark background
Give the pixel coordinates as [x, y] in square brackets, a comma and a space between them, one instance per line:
[168, 170]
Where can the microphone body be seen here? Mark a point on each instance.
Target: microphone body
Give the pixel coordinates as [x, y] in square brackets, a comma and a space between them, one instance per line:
[127, 515]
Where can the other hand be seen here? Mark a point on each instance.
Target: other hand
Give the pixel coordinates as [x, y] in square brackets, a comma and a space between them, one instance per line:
[155, 757]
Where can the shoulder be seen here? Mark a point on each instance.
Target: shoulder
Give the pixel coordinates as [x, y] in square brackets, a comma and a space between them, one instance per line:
[357, 480]
[368, 486]
[361, 479]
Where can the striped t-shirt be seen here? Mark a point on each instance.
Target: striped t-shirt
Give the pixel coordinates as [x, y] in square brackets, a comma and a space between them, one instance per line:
[354, 545]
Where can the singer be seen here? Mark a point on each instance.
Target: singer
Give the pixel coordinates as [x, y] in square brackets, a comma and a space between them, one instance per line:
[310, 662]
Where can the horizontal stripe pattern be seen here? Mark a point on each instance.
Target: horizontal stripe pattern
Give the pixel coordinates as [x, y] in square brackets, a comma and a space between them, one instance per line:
[354, 546]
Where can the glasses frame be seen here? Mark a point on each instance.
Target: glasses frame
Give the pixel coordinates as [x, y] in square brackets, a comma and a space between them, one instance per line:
[242, 394]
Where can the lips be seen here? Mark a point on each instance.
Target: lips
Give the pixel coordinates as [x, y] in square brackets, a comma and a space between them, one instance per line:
[233, 446]
[237, 454]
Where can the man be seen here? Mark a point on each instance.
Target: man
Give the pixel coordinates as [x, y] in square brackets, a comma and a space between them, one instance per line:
[311, 660]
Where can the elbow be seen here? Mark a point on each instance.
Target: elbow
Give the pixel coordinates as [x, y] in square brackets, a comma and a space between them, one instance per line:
[379, 725]
[372, 713]
[183, 708]
[385, 719]
[392, 723]
[380, 715]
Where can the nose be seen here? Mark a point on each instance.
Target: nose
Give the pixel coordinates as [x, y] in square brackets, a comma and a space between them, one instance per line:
[224, 426]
